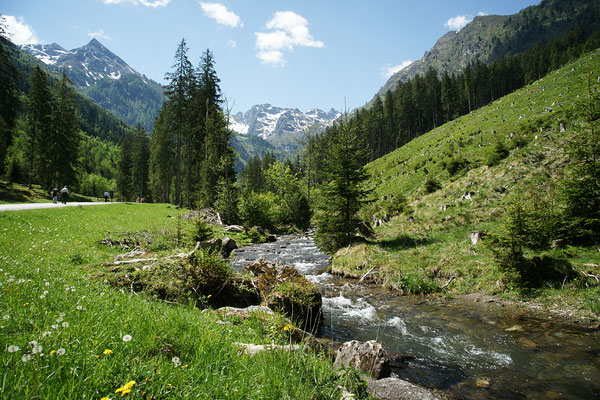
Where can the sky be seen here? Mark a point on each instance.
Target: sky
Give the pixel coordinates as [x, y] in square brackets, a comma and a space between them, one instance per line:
[301, 54]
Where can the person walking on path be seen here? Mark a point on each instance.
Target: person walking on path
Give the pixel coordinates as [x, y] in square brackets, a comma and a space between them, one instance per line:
[55, 195]
[65, 193]
[106, 196]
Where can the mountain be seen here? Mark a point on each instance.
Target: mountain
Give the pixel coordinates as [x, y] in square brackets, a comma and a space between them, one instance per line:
[488, 37]
[106, 79]
[281, 127]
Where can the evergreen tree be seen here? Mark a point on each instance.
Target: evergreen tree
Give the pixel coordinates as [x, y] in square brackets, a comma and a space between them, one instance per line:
[39, 126]
[65, 147]
[162, 157]
[344, 194]
[9, 100]
[140, 160]
[125, 185]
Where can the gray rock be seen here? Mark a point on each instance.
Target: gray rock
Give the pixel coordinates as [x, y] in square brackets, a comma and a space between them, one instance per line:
[477, 237]
[398, 389]
[367, 357]
[212, 245]
[227, 246]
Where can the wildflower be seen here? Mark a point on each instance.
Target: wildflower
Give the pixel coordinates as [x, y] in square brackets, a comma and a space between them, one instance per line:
[13, 348]
[26, 357]
[61, 352]
[25, 305]
[209, 296]
[126, 388]
[127, 338]
[42, 297]
[54, 326]
[62, 314]
[105, 398]
[6, 317]
[107, 352]
[65, 324]
[52, 352]
[176, 361]
[46, 334]
[287, 327]
[36, 349]
[80, 308]
[33, 343]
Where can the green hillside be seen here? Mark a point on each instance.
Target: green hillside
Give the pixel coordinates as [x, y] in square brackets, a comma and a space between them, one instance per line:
[428, 244]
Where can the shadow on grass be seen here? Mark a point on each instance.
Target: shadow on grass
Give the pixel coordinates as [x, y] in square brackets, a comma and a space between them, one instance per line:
[403, 242]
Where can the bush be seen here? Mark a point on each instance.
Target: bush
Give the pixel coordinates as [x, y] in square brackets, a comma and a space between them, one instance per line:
[498, 153]
[201, 231]
[432, 185]
[455, 165]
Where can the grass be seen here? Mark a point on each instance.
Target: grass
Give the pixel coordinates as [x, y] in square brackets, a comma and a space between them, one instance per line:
[65, 334]
[424, 247]
[20, 193]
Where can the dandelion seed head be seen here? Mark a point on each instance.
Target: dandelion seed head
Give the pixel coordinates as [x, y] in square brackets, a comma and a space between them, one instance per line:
[46, 334]
[36, 349]
[26, 357]
[61, 352]
[176, 361]
[80, 308]
[65, 324]
[33, 343]
[6, 317]
[127, 338]
[13, 349]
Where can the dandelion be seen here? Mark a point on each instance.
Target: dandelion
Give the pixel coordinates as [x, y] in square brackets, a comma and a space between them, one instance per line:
[6, 317]
[54, 326]
[25, 305]
[42, 297]
[105, 398]
[176, 361]
[61, 352]
[65, 324]
[62, 314]
[127, 338]
[46, 334]
[36, 349]
[26, 357]
[80, 308]
[33, 343]
[126, 388]
[13, 348]
[52, 352]
[287, 327]
[107, 352]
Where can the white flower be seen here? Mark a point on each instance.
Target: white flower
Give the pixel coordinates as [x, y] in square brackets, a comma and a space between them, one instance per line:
[13, 348]
[65, 324]
[176, 361]
[45, 292]
[46, 334]
[47, 283]
[33, 343]
[61, 352]
[42, 297]
[80, 308]
[36, 349]
[54, 327]
[26, 357]
[62, 314]
[127, 338]
[7, 317]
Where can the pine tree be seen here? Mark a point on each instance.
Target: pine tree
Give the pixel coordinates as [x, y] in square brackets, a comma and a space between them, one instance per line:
[65, 147]
[140, 159]
[344, 194]
[125, 185]
[39, 126]
[9, 100]
[162, 157]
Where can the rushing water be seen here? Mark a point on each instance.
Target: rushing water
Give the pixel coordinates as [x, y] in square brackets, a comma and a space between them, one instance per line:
[463, 348]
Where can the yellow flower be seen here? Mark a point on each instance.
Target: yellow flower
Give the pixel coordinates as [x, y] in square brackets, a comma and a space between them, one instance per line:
[287, 327]
[209, 296]
[52, 352]
[129, 385]
[126, 388]
[25, 305]
[107, 352]
[105, 398]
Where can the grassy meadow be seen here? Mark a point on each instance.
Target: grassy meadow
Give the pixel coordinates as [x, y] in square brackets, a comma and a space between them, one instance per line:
[64, 333]
[424, 247]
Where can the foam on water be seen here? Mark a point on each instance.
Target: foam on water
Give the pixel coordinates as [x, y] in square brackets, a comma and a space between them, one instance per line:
[359, 310]
[319, 279]
[398, 323]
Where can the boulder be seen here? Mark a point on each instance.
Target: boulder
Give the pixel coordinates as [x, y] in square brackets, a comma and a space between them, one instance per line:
[477, 236]
[227, 246]
[212, 245]
[369, 358]
[284, 289]
[398, 389]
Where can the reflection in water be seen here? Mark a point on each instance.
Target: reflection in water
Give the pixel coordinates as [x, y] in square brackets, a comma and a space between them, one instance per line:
[465, 349]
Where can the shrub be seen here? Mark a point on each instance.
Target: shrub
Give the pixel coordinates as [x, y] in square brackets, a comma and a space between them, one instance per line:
[498, 153]
[455, 165]
[432, 185]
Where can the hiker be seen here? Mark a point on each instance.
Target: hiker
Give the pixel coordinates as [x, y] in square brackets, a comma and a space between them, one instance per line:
[106, 196]
[112, 195]
[55, 195]
[65, 193]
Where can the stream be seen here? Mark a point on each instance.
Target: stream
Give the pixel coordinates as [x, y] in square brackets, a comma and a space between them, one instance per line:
[471, 347]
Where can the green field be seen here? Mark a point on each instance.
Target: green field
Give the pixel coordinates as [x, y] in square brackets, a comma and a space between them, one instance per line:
[422, 248]
[64, 333]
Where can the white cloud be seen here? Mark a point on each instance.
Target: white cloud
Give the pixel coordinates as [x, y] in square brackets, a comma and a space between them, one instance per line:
[232, 44]
[482, 13]
[221, 14]
[288, 30]
[458, 22]
[99, 34]
[19, 32]
[390, 70]
[147, 3]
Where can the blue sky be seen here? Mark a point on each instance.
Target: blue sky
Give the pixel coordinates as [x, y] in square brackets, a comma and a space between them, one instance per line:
[304, 54]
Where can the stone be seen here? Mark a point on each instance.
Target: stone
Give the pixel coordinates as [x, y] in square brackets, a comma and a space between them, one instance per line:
[234, 228]
[227, 246]
[398, 389]
[369, 358]
[515, 328]
[477, 236]
[212, 245]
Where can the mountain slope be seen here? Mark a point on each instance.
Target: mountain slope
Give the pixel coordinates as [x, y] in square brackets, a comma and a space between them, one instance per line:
[106, 79]
[427, 247]
[281, 127]
[488, 37]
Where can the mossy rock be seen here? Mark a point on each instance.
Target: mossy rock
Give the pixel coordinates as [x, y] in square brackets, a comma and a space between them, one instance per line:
[284, 289]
